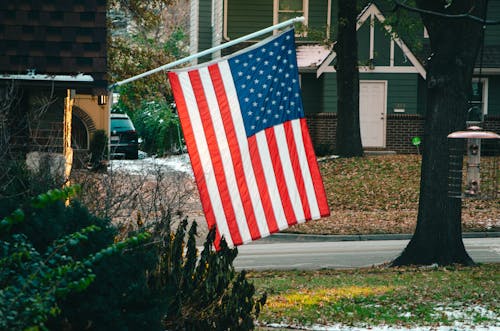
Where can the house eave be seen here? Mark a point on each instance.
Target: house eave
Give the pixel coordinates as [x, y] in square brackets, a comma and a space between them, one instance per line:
[79, 78]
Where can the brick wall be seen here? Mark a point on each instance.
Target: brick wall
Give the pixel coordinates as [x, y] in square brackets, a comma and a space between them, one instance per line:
[401, 128]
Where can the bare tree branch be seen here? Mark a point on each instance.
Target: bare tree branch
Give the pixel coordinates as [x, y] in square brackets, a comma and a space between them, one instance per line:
[454, 16]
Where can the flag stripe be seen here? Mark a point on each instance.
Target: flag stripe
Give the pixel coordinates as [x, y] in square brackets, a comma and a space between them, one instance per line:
[189, 137]
[264, 191]
[239, 216]
[258, 200]
[266, 156]
[314, 170]
[305, 172]
[298, 172]
[214, 158]
[205, 165]
[288, 173]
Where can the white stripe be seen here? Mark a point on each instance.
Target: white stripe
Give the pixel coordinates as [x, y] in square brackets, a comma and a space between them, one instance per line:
[227, 161]
[241, 136]
[304, 167]
[206, 162]
[272, 186]
[286, 163]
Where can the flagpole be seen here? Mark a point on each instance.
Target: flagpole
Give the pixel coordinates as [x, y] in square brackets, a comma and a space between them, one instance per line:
[209, 51]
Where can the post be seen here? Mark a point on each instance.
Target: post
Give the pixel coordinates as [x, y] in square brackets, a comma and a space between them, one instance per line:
[67, 150]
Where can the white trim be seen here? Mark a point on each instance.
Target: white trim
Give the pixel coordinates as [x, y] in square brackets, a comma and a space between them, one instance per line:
[52, 78]
[194, 28]
[217, 22]
[371, 11]
[391, 56]
[484, 96]
[328, 19]
[379, 69]
[225, 10]
[325, 66]
[305, 9]
[487, 71]
[372, 37]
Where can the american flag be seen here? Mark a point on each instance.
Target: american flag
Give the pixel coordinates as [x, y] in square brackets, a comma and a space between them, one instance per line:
[248, 141]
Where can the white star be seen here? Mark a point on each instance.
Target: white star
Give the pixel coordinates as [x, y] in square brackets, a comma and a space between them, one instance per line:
[252, 90]
[250, 113]
[245, 64]
[256, 81]
[276, 44]
[257, 118]
[258, 59]
[287, 75]
[236, 61]
[271, 53]
[247, 99]
[281, 107]
[263, 50]
[250, 55]
[264, 121]
[283, 47]
[278, 57]
[294, 81]
[287, 37]
[278, 93]
[276, 116]
[296, 95]
[269, 111]
[269, 77]
[285, 98]
[254, 68]
[282, 84]
[262, 108]
[292, 103]
[248, 77]
[259, 95]
[261, 72]
[291, 66]
[266, 62]
[274, 67]
[285, 60]
[288, 112]
[280, 70]
[243, 86]
[264, 86]
[255, 104]
[240, 73]
[275, 79]
[289, 51]
[273, 102]
[253, 127]
[289, 89]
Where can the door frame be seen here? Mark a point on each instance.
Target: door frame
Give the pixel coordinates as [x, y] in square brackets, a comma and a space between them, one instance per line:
[384, 114]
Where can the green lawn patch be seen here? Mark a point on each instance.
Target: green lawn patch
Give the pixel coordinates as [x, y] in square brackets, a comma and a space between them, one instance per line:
[381, 296]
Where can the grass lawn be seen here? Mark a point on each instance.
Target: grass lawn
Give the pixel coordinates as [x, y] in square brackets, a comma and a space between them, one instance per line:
[405, 297]
[379, 194]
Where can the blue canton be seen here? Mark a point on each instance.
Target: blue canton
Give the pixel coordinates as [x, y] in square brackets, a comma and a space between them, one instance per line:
[267, 83]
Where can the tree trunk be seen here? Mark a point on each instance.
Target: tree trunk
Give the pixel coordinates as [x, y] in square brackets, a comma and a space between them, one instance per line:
[454, 47]
[348, 134]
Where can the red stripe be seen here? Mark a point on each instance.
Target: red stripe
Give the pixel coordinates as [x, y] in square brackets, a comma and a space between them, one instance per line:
[294, 158]
[262, 185]
[314, 169]
[234, 148]
[280, 177]
[192, 150]
[215, 156]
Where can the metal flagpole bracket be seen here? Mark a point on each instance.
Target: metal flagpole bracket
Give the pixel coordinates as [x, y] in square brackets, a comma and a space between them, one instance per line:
[209, 51]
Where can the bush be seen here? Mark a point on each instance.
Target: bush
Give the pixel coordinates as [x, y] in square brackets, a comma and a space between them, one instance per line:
[33, 281]
[202, 291]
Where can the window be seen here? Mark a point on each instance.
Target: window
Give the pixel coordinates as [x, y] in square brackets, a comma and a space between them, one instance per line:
[288, 9]
[478, 101]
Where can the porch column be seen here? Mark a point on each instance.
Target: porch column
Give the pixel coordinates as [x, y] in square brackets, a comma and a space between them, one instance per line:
[67, 150]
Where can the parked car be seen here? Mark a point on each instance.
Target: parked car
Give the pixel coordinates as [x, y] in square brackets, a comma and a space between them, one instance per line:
[123, 140]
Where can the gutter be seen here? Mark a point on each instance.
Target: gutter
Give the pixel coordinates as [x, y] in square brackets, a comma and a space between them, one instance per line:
[53, 78]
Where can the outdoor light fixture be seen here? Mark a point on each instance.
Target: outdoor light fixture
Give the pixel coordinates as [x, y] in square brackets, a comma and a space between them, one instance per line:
[102, 100]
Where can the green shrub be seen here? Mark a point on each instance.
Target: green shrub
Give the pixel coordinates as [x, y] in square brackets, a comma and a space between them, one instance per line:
[32, 281]
[203, 291]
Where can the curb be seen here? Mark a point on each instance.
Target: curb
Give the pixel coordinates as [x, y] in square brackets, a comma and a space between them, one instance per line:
[300, 237]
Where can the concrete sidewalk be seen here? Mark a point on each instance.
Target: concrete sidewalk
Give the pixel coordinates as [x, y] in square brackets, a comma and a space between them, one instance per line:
[298, 237]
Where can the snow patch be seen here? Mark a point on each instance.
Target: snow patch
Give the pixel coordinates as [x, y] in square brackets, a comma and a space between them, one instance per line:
[150, 165]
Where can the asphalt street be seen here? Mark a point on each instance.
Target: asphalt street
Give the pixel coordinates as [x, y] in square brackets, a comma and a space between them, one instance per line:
[342, 254]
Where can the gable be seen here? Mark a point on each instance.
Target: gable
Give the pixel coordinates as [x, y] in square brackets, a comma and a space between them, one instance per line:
[378, 51]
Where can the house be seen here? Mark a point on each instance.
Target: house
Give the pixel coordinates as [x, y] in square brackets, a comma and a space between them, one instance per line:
[392, 75]
[50, 51]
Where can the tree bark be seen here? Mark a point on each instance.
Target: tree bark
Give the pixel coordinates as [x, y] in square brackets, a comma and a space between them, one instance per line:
[348, 133]
[454, 47]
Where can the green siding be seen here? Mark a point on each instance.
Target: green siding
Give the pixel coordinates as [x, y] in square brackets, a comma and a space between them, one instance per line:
[317, 19]
[330, 93]
[403, 90]
[245, 17]
[494, 96]
[364, 43]
[205, 28]
[312, 93]
[492, 35]
[400, 58]
[382, 45]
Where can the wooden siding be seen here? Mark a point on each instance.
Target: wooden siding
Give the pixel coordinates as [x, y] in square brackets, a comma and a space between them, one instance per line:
[364, 43]
[312, 93]
[492, 35]
[205, 28]
[382, 45]
[494, 96]
[403, 91]
[317, 19]
[244, 17]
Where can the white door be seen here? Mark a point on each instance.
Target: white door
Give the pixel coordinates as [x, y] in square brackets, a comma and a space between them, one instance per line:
[372, 112]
